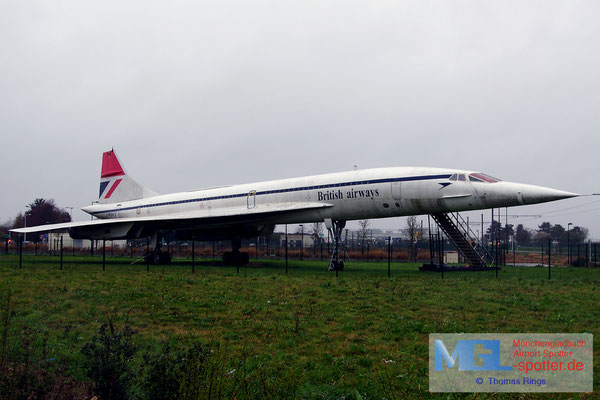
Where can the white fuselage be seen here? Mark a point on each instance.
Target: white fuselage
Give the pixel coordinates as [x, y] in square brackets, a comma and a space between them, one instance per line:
[362, 194]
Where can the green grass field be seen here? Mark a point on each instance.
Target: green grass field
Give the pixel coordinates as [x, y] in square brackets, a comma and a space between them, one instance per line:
[360, 335]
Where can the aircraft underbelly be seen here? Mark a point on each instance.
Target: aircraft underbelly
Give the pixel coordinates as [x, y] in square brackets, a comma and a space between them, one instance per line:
[114, 231]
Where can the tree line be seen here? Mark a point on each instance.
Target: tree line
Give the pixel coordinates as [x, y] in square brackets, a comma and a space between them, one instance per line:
[537, 237]
[39, 212]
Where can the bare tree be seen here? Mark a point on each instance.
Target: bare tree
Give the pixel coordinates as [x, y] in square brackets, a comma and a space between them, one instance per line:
[317, 231]
[363, 234]
[413, 232]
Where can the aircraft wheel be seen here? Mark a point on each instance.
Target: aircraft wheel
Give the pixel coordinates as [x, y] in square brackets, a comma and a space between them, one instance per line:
[240, 258]
[245, 258]
[336, 266]
[164, 258]
[235, 258]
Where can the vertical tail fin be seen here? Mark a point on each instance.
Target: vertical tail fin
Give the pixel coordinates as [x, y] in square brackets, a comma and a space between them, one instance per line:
[116, 185]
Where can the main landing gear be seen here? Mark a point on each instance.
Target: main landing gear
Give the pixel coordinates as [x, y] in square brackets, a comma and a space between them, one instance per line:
[236, 257]
[335, 229]
[156, 256]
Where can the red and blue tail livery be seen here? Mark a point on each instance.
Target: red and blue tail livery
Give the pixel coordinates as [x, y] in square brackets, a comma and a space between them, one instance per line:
[115, 185]
[111, 169]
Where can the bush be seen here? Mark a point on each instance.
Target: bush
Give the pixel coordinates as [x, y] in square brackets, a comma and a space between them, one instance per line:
[23, 373]
[203, 374]
[161, 373]
[107, 361]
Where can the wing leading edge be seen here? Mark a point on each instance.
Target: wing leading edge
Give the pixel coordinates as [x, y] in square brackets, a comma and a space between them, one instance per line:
[200, 219]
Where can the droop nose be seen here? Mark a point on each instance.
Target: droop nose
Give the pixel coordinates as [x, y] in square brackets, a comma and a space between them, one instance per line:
[531, 194]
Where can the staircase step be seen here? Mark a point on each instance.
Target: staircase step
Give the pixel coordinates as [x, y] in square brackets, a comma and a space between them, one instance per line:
[462, 242]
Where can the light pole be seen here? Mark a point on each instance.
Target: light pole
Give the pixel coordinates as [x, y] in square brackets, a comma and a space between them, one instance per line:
[25, 234]
[569, 243]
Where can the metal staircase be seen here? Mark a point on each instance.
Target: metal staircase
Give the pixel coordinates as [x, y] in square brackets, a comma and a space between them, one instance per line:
[458, 231]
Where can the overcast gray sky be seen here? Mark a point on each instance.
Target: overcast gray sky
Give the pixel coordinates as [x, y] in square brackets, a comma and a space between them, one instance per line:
[198, 93]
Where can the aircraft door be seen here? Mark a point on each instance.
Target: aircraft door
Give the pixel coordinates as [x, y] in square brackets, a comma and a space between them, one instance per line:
[251, 200]
[397, 190]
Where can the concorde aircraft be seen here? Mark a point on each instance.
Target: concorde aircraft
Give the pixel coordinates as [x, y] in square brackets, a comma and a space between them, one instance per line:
[127, 210]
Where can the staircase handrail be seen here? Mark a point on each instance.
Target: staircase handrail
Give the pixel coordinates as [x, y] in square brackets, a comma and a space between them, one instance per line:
[479, 247]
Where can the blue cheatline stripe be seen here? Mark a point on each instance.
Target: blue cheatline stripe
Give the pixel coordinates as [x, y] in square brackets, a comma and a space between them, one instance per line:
[277, 191]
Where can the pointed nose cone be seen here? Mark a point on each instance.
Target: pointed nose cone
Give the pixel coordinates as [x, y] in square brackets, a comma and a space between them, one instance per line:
[530, 194]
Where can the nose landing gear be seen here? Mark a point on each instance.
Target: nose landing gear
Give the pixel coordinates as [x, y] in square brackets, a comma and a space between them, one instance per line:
[335, 229]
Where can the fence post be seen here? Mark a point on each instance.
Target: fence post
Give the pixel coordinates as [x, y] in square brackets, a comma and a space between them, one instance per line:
[496, 253]
[286, 249]
[193, 255]
[549, 252]
[389, 255]
[542, 253]
[103, 254]
[585, 253]
[440, 247]
[321, 252]
[20, 252]
[61, 252]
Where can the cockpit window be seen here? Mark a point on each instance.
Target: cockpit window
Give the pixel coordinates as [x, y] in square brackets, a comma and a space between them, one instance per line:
[461, 177]
[474, 179]
[453, 177]
[483, 177]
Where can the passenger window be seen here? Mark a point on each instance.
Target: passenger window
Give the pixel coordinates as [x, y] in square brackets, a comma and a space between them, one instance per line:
[461, 177]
